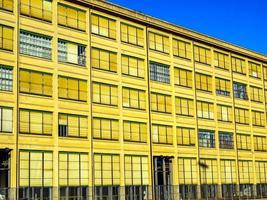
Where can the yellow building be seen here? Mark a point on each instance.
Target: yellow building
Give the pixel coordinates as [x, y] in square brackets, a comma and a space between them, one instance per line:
[101, 102]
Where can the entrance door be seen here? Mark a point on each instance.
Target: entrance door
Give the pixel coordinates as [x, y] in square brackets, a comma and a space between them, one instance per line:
[4, 173]
[163, 178]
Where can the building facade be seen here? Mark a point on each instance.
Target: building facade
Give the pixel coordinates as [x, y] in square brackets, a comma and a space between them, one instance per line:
[101, 102]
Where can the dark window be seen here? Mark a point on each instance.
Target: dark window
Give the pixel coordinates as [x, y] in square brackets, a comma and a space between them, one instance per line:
[226, 140]
[106, 192]
[159, 72]
[206, 138]
[240, 91]
[6, 78]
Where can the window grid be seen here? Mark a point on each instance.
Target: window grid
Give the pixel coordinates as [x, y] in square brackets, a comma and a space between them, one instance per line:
[243, 142]
[209, 171]
[254, 70]
[184, 106]
[224, 113]
[226, 140]
[223, 87]
[104, 60]
[238, 65]
[106, 129]
[228, 171]
[241, 116]
[187, 170]
[6, 120]
[265, 73]
[203, 82]
[185, 136]
[6, 37]
[134, 98]
[159, 43]
[182, 49]
[261, 171]
[256, 94]
[205, 110]
[132, 35]
[6, 78]
[135, 131]
[162, 134]
[133, 66]
[259, 143]
[183, 77]
[159, 72]
[7, 5]
[105, 94]
[103, 26]
[206, 138]
[202, 55]
[245, 171]
[221, 60]
[160, 103]
[258, 118]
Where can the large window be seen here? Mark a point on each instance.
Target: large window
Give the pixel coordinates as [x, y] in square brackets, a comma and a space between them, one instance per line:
[103, 26]
[209, 171]
[256, 94]
[224, 113]
[254, 70]
[159, 42]
[41, 9]
[205, 110]
[133, 98]
[69, 52]
[184, 106]
[203, 82]
[260, 143]
[245, 171]
[73, 175]
[258, 118]
[161, 103]
[71, 17]
[6, 37]
[181, 49]
[104, 60]
[202, 55]
[6, 119]
[159, 72]
[133, 66]
[226, 140]
[105, 94]
[134, 131]
[72, 125]
[107, 176]
[186, 136]
[105, 129]
[36, 174]
[33, 82]
[6, 5]
[223, 87]
[261, 171]
[228, 171]
[34, 44]
[240, 91]
[183, 77]
[206, 138]
[132, 35]
[238, 65]
[71, 88]
[35, 122]
[241, 116]
[162, 134]
[243, 142]
[136, 177]
[6, 78]
[221, 60]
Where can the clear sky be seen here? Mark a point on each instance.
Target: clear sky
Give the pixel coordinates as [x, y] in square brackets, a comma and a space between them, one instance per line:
[241, 22]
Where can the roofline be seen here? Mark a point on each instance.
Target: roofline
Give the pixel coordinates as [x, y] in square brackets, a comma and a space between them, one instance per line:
[170, 27]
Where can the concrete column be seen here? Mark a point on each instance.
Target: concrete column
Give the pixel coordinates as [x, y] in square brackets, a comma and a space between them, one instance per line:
[219, 191]
[198, 192]
[122, 193]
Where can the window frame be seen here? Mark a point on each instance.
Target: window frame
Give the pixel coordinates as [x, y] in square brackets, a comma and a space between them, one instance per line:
[205, 84]
[220, 84]
[210, 140]
[127, 34]
[210, 110]
[226, 143]
[187, 52]
[112, 132]
[181, 108]
[2, 38]
[110, 92]
[165, 96]
[141, 135]
[197, 54]
[189, 83]
[129, 100]
[138, 68]
[191, 138]
[159, 72]
[165, 47]
[4, 79]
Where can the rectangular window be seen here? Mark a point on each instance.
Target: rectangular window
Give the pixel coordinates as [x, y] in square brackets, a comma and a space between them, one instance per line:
[261, 171]
[34, 44]
[187, 171]
[205, 110]
[209, 171]
[6, 119]
[184, 106]
[70, 52]
[259, 143]
[71, 17]
[36, 174]
[206, 138]
[202, 55]
[159, 72]
[72, 125]
[256, 94]
[203, 82]
[181, 49]
[228, 171]
[226, 140]
[33, 82]
[258, 118]
[35, 122]
[223, 87]
[162, 134]
[183, 77]
[221, 60]
[241, 116]
[132, 35]
[6, 5]
[6, 78]
[245, 171]
[105, 129]
[133, 98]
[243, 142]
[104, 60]
[6, 37]
[240, 91]
[224, 113]
[238, 65]
[159, 42]
[161, 103]
[103, 26]
[72, 89]
[265, 72]
[186, 136]
[134, 131]
[133, 66]
[254, 70]
[105, 94]
[40, 9]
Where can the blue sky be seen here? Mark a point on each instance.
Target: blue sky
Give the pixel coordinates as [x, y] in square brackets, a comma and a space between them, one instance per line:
[241, 22]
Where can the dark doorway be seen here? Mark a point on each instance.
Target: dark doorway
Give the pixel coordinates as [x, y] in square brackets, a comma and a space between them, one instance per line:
[4, 173]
